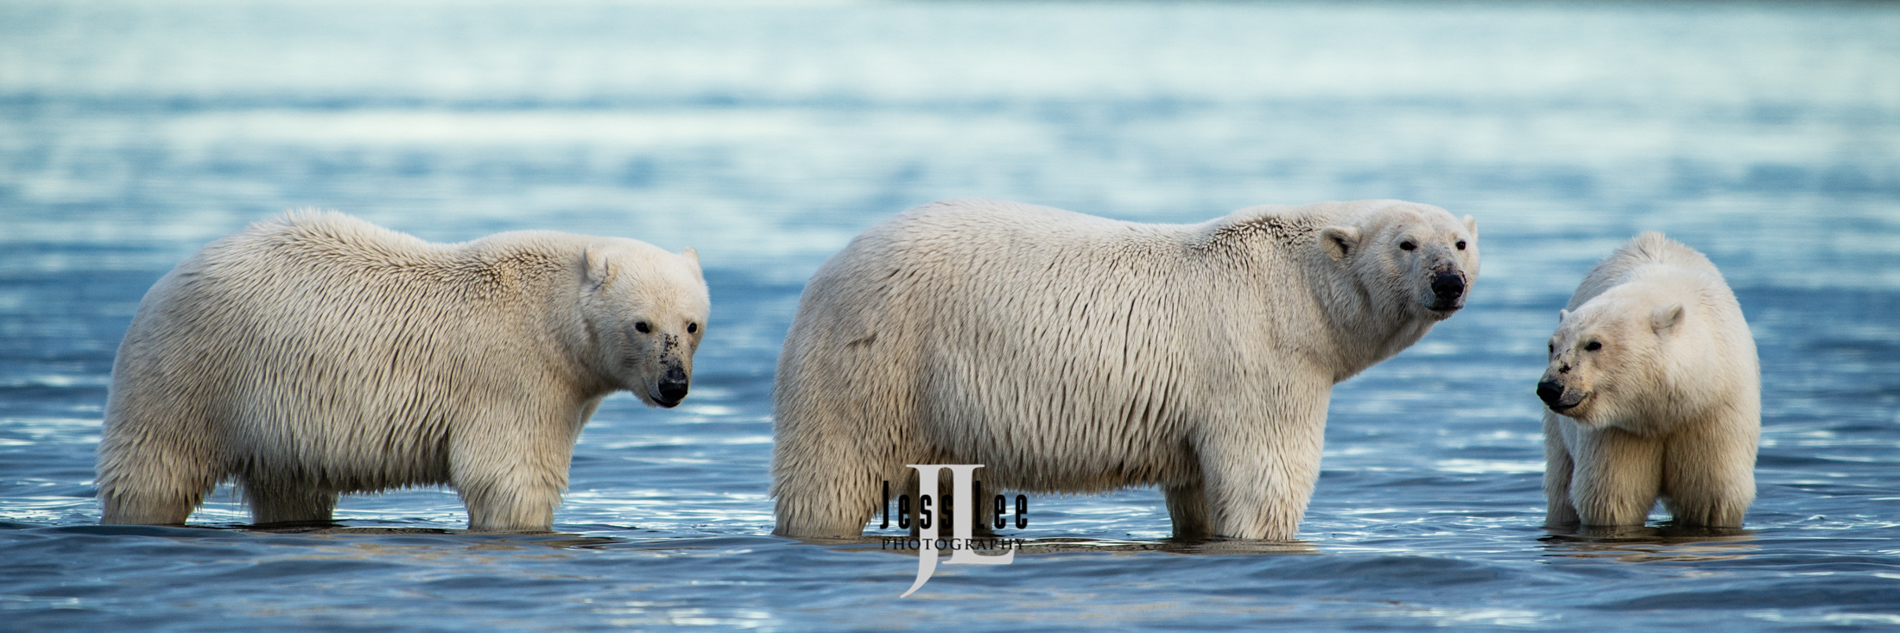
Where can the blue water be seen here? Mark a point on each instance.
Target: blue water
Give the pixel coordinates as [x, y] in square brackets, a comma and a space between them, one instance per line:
[767, 134]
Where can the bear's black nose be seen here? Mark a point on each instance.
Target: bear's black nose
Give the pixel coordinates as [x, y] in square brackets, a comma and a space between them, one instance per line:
[1448, 284]
[1447, 287]
[1550, 392]
[673, 386]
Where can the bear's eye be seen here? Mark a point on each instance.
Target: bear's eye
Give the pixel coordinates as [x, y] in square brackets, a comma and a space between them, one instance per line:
[1461, 245]
[692, 327]
[642, 327]
[1553, 348]
[1407, 245]
[1592, 346]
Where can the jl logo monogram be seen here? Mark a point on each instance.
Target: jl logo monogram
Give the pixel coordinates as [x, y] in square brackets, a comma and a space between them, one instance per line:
[960, 542]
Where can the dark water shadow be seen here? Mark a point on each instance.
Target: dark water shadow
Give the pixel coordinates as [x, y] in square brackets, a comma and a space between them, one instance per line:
[1650, 544]
[170, 531]
[475, 540]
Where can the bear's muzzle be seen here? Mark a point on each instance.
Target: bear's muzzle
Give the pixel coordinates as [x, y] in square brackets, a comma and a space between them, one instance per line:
[672, 386]
[1558, 398]
[1448, 290]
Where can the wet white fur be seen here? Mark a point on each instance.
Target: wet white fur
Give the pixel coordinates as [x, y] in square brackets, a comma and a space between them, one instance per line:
[1674, 404]
[1078, 354]
[317, 354]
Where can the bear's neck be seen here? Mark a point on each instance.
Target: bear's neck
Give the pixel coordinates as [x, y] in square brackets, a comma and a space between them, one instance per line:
[1359, 330]
[546, 270]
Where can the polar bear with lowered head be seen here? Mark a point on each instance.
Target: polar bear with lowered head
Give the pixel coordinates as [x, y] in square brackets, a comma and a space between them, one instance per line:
[317, 354]
[1071, 353]
[1653, 390]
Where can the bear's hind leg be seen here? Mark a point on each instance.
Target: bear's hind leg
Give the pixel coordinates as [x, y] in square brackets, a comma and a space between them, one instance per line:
[288, 504]
[1187, 509]
[148, 480]
[827, 482]
[148, 506]
[982, 502]
[830, 500]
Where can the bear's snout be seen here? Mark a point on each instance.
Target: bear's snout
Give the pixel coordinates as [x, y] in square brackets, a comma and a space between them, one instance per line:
[1448, 290]
[1557, 397]
[1549, 391]
[672, 387]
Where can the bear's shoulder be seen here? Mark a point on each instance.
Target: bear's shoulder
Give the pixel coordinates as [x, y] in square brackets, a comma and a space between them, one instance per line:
[1289, 226]
[1282, 225]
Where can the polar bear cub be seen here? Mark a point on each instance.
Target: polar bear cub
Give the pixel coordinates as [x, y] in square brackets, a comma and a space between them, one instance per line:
[1071, 353]
[317, 354]
[1653, 390]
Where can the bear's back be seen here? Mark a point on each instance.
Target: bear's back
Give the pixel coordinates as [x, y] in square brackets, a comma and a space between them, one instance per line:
[326, 256]
[1649, 249]
[328, 284]
[974, 224]
[325, 243]
[985, 250]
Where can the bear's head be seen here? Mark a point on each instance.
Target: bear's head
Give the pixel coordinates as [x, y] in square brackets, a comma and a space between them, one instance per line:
[1608, 360]
[647, 310]
[1415, 259]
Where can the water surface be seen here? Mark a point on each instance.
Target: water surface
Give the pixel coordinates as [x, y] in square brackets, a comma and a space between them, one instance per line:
[766, 135]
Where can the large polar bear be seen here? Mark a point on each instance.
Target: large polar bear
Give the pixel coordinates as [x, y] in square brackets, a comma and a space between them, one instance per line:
[318, 354]
[1653, 389]
[1071, 353]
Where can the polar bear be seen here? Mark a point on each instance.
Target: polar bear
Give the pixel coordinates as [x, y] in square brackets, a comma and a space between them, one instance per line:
[1653, 389]
[317, 354]
[1071, 353]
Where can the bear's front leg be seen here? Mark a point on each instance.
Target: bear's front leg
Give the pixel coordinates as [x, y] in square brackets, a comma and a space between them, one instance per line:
[1557, 472]
[1258, 477]
[521, 500]
[511, 476]
[1616, 477]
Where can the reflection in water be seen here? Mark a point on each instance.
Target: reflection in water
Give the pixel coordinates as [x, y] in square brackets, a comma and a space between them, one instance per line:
[1639, 544]
[472, 540]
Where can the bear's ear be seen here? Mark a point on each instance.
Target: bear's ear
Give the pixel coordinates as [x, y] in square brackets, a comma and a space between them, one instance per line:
[1339, 241]
[1562, 315]
[1666, 317]
[598, 272]
[1471, 224]
[691, 256]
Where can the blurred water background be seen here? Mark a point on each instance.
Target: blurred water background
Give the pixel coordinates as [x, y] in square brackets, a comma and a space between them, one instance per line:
[1766, 135]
